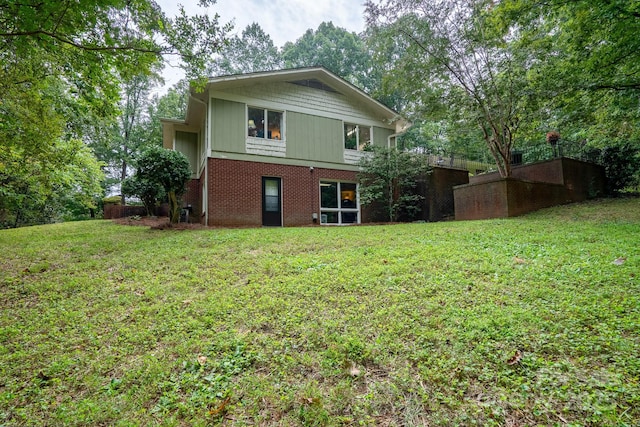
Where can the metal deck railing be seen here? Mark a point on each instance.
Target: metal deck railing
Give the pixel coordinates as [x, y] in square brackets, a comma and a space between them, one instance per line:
[483, 162]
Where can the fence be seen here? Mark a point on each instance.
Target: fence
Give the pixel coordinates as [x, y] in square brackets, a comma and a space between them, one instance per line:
[483, 162]
[458, 161]
[539, 153]
[118, 211]
[472, 162]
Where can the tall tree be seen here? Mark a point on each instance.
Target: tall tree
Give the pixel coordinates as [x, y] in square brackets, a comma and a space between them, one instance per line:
[91, 38]
[251, 52]
[62, 63]
[586, 67]
[383, 54]
[342, 52]
[130, 138]
[37, 153]
[171, 105]
[451, 53]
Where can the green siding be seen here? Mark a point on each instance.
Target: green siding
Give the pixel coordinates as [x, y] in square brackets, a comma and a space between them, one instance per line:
[308, 137]
[313, 138]
[228, 130]
[187, 144]
[381, 136]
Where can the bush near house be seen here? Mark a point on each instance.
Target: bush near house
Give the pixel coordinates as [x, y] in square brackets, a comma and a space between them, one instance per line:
[388, 179]
[160, 172]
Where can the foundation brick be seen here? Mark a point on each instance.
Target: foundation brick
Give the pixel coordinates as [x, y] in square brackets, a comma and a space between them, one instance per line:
[235, 191]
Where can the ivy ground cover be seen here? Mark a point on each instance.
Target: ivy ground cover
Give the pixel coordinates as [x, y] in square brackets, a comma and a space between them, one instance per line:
[520, 322]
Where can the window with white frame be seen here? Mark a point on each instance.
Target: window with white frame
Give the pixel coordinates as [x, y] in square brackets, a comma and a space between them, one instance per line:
[356, 137]
[264, 123]
[339, 203]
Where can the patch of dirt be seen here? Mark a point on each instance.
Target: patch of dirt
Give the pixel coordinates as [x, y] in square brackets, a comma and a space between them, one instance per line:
[157, 223]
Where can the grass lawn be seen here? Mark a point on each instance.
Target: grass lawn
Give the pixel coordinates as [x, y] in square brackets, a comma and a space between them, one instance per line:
[520, 322]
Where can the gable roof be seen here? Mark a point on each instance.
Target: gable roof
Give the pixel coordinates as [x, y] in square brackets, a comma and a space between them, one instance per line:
[315, 77]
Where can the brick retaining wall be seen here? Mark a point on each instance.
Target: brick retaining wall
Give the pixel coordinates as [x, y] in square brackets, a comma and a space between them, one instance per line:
[530, 188]
[506, 197]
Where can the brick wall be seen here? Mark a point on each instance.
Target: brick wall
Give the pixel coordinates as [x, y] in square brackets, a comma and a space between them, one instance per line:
[506, 197]
[439, 198]
[584, 180]
[531, 187]
[437, 190]
[235, 191]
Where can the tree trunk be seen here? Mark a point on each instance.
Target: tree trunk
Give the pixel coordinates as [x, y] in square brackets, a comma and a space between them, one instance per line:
[123, 176]
[174, 212]
[500, 151]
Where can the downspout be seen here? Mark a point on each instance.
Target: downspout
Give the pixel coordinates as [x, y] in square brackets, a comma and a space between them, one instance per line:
[206, 141]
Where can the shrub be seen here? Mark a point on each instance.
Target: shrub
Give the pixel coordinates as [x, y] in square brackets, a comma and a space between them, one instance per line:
[388, 181]
[113, 200]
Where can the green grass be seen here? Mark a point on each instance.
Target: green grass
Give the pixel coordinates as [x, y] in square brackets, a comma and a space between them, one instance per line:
[401, 325]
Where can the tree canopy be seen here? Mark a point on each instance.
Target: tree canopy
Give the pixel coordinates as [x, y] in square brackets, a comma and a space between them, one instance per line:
[514, 69]
[452, 57]
[586, 66]
[251, 52]
[342, 52]
[60, 80]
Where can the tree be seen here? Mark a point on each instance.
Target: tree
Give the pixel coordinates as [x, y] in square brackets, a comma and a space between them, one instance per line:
[586, 67]
[62, 63]
[384, 53]
[92, 38]
[451, 53]
[253, 51]
[144, 187]
[167, 170]
[138, 127]
[129, 134]
[38, 154]
[172, 105]
[78, 183]
[621, 164]
[336, 49]
[388, 179]
[65, 183]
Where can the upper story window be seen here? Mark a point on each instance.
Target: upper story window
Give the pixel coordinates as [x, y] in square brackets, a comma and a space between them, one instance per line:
[356, 137]
[264, 123]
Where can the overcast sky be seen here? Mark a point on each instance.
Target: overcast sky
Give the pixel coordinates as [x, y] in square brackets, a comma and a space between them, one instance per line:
[283, 20]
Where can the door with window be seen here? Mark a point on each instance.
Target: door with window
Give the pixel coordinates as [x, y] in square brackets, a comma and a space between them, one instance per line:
[271, 202]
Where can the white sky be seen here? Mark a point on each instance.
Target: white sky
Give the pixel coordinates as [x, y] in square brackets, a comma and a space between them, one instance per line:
[283, 20]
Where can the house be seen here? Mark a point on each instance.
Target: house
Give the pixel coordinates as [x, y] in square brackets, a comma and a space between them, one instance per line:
[278, 148]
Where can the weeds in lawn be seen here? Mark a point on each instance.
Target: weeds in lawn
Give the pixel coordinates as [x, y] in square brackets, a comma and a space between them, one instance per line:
[525, 321]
